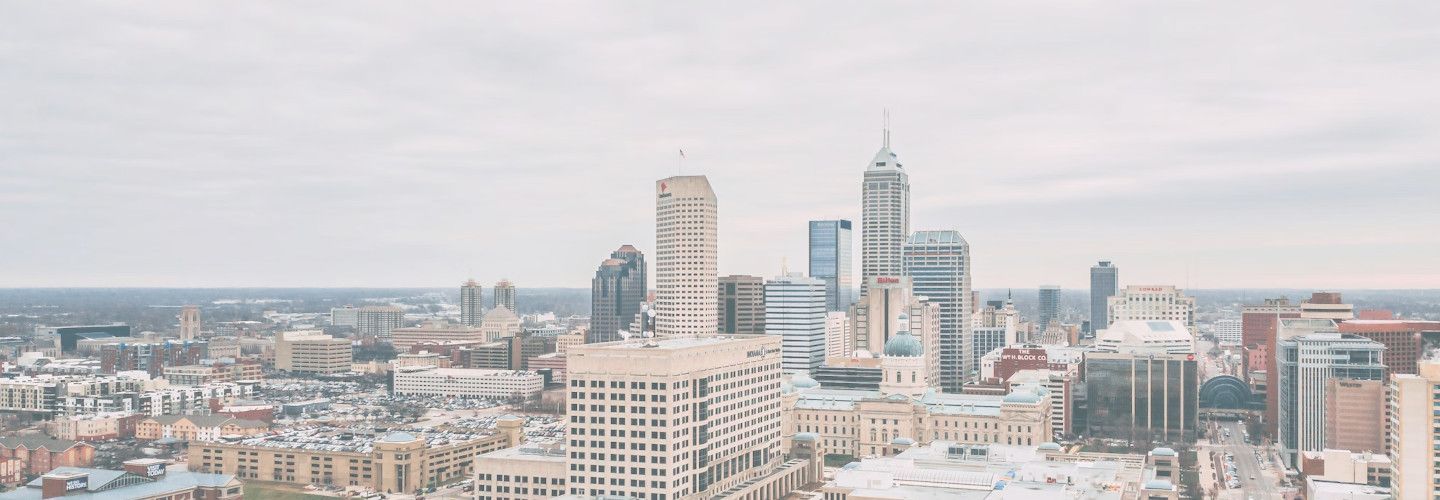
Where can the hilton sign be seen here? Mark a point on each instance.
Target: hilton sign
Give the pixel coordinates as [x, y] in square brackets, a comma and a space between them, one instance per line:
[886, 279]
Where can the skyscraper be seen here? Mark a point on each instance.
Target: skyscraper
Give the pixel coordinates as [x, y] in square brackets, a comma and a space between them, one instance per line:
[795, 311]
[938, 263]
[471, 310]
[884, 215]
[377, 321]
[505, 295]
[741, 305]
[1049, 307]
[1412, 439]
[1306, 364]
[189, 322]
[830, 260]
[686, 277]
[616, 294]
[728, 431]
[1104, 283]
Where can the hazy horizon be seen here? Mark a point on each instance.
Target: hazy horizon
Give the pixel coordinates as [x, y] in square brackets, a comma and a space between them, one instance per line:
[278, 145]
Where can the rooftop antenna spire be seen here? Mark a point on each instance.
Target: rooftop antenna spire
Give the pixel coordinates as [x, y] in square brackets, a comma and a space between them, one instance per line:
[885, 138]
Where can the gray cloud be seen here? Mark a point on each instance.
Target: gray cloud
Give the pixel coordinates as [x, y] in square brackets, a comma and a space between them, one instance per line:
[379, 144]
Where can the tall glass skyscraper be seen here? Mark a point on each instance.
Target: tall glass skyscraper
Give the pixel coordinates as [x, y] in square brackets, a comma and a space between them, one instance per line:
[1104, 283]
[616, 294]
[1049, 307]
[938, 263]
[830, 261]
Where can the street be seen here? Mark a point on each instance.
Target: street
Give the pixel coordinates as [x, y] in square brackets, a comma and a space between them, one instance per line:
[1256, 482]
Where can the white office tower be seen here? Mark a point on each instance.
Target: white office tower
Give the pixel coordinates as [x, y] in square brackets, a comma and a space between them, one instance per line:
[884, 216]
[471, 311]
[795, 311]
[1153, 303]
[1227, 331]
[686, 283]
[189, 322]
[673, 418]
[839, 340]
[938, 264]
[1414, 432]
[345, 316]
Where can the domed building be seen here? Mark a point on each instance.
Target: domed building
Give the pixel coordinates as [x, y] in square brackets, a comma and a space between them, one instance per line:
[906, 410]
[903, 366]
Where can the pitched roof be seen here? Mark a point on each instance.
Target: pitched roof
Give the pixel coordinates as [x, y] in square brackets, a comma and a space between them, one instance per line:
[209, 421]
[37, 442]
[100, 484]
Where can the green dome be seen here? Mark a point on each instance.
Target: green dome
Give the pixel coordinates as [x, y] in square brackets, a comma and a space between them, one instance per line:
[904, 344]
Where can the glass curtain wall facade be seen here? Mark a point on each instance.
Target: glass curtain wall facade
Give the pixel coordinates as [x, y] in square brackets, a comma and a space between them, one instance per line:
[830, 260]
[1143, 398]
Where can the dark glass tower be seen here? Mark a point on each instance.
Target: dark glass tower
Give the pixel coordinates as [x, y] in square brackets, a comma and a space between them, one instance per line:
[1049, 307]
[1104, 283]
[616, 294]
[830, 261]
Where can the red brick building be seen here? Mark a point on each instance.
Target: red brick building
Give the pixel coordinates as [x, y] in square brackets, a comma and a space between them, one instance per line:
[152, 357]
[1405, 341]
[1258, 322]
[42, 454]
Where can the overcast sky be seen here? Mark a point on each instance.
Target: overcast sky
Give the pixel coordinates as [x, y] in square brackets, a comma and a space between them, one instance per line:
[418, 144]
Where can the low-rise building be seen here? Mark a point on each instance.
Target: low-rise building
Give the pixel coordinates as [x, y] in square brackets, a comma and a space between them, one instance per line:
[141, 479]
[40, 454]
[214, 371]
[435, 331]
[468, 382]
[424, 358]
[173, 400]
[98, 427]
[864, 423]
[397, 461]
[197, 427]
[555, 362]
[527, 472]
[1318, 489]
[1342, 466]
[984, 472]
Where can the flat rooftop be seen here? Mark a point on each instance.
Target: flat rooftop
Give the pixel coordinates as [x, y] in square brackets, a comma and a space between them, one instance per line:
[670, 343]
[345, 441]
[530, 453]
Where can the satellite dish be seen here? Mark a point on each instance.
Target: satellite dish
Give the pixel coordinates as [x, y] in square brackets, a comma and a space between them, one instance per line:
[650, 312]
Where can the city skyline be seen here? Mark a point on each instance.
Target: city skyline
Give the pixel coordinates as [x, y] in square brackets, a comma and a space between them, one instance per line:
[1031, 150]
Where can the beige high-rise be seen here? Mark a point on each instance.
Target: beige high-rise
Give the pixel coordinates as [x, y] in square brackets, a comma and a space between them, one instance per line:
[504, 295]
[874, 319]
[189, 322]
[673, 418]
[311, 352]
[742, 305]
[685, 249]
[1414, 432]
